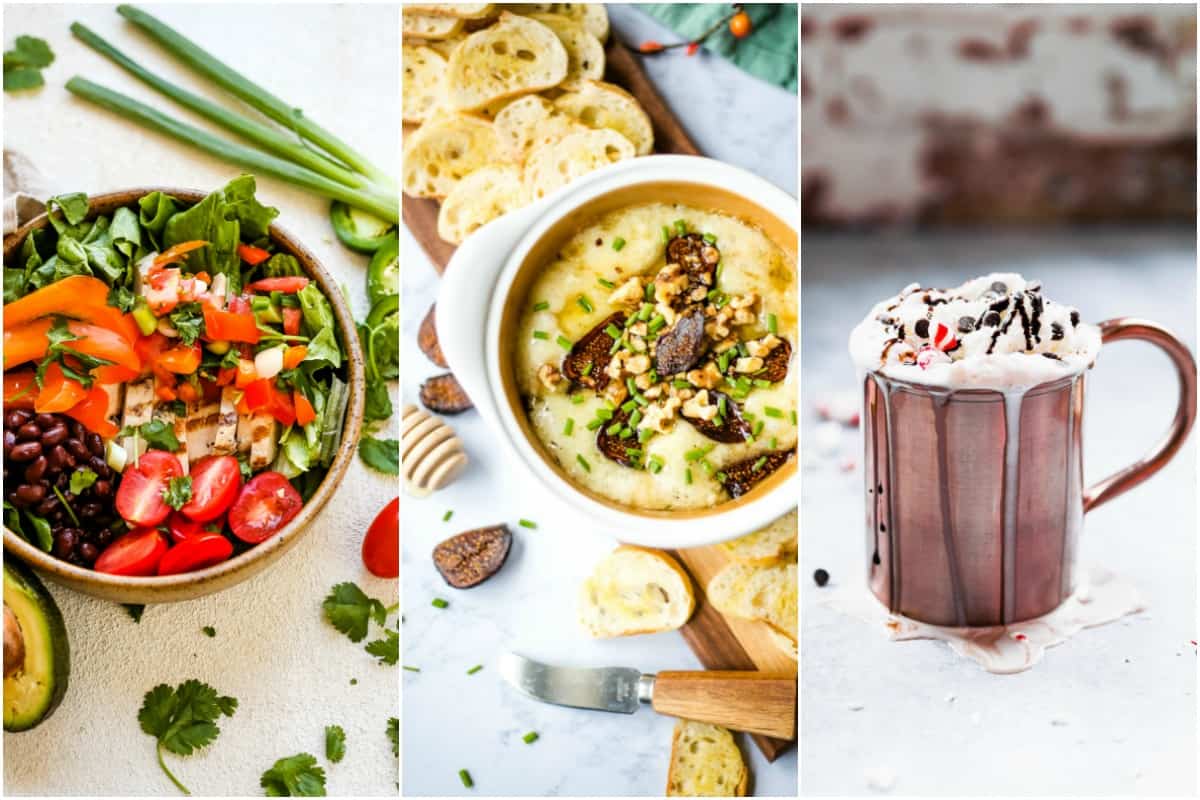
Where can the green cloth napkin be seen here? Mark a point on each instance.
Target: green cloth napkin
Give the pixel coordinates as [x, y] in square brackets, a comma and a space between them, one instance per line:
[769, 52]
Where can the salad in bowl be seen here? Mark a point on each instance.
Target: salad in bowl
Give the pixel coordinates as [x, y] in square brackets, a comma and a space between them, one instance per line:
[176, 383]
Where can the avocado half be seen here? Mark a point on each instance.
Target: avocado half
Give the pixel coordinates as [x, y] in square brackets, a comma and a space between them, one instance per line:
[37, 656]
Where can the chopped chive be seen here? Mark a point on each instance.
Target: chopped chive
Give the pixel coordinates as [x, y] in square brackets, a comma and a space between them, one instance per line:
[618, 243]
[773, 443]
[762, 460]
[698, 453]
[614, 429]
[680, 227]
[640, 399]
[762, 383]
[613, 331]
[713, 294]
[653, 376]
[687, 475]
[741, 348]
[709, 468]
[607, 284]
[594, 424]
[644, 313]
[646, 434]
[722, 406]
[631, 385]
[446, 517]
[720, 270]
[657, 322]
[587, 369]
[465, 777]
[626, 433]
[656, 465]
[578, 399]
[527, 523]
[710, 238]
[772, 323]
[411, 669]
[585, 303]
[475, 669]
[569, 426]
[772, 411]
[541, 335]
[628, 406]
[635, 418]
[679, 383]
[723, 360]
[649, 294]
[666, 234]
[604, 414]
[583, 463]
[633, 452]
[563, 342]
[722, 477]
[541, 306]
[757, 429]
[439, 603]
[532, 736]
[792, 416]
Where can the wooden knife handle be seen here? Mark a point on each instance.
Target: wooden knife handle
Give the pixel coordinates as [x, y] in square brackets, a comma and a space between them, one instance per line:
[757, 702]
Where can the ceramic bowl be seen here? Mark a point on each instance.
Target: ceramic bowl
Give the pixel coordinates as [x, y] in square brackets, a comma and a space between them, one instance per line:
[488, 276]
[173, 588]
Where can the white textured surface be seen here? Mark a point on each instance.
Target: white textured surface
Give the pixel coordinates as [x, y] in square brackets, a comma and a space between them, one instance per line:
[273, 651]
[453, 720]
[1113, 710]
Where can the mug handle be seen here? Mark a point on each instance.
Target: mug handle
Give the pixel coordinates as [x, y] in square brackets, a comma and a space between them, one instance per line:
[1114, 330]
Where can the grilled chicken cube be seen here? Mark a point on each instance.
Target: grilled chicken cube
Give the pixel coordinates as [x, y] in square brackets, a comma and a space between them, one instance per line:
[256, 435]
[165, 413]
[139, 409]
[226, 439]
[115, 392]
[202, 419]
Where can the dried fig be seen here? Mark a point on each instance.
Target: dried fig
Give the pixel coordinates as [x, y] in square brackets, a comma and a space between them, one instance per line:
[471, 557]
[613, 446]
[589, 357]
[735, 429]
[742, 476]
[680, 348]
[444, 395]
[427, 338]
[695, 255]
[775, 364]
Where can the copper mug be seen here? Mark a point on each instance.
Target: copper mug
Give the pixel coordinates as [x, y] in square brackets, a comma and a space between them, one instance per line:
[968, 525]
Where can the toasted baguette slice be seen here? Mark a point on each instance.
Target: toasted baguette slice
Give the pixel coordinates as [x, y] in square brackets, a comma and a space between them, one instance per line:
[460, 10]
[529, 121]
[775, 542]
[443, 46]
[768, 594]
[585, 54]
[424, 69]
[635, 590]
[789, 647]
[555, 164]
[422, 26]
[705, 762]
[447, 147]
[512, 57]
[592, 16]
[603, 105]
[479, 198]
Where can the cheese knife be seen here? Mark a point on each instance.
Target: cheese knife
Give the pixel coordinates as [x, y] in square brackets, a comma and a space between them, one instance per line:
[756, 702]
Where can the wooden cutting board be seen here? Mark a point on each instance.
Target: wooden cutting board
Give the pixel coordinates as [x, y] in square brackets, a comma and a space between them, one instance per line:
[718, 643]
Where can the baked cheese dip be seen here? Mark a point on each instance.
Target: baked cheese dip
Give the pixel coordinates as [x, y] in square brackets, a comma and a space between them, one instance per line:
[654, 357]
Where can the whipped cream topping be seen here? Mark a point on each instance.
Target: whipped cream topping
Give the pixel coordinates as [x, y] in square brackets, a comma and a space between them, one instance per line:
[994, 332]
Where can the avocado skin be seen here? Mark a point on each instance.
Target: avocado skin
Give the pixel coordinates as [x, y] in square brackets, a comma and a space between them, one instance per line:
[25, 594]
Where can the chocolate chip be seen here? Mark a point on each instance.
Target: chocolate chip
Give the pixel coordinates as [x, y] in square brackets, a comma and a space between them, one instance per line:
[1074, 318]
[1000, 304]
[1056, 331]
[991, 319]
[1033, 286]
[1000, 287]
[966, 324]
[821, 577]
[471, 557]
[885, 319]
[922, 328]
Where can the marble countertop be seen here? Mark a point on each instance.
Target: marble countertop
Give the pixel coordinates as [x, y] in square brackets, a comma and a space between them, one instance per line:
[1110, 712]
[455, 721]
[273, 651]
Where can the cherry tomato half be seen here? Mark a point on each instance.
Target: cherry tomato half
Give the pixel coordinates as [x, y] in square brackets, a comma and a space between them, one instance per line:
[180, 527]
[266, 504]
[195, 552]
[381, 545]
[140, 498]
[136, 553]
[215, 484]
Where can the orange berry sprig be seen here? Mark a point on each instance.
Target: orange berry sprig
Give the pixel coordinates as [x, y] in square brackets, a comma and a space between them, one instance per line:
[737, 20]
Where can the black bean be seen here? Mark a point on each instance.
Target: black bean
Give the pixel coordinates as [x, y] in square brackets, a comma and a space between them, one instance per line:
[30, 493]
[89, 510]
[28, 432]
[53, 435]
[101, 488]
[17, 417]
[77, 430]
[64, 543]
[25, 451]
[48, 507]
[46, 420]
[99, 466]
[10, 439]
[95, 444]
[35, 471]
[77, 448]
[88, 552]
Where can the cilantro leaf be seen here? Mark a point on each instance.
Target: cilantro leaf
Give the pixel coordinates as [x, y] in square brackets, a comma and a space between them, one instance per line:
[183, 719]
[18, 79]
[81, 480]
[178, 492]
[23, 64]
[350, 610]
[121, 298]
[157, 435]
[188, 321]
[380, 454]
[393, 732]
[387, 649]
[296, 776]
[335, 743]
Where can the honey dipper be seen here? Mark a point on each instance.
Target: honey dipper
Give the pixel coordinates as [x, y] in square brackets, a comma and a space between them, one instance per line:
[430, 451]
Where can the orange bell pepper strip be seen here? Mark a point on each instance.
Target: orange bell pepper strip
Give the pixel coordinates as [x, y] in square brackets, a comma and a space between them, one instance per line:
[181, 360]
[305, 413]
[293, 356]
[30, 341]
[20, 389]
[246, 373]
[227, 326]
[59, 392]
[80, 297]
[92, 411]
[175, 253]
[252, 255]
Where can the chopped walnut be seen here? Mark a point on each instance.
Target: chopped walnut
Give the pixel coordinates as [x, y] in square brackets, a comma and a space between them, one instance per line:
[637, 344]
[616, 392]
[666, 312]
[639, 329]
[699, 408]
[698, 294]
[745, 365]
[670, 282]
[707, 377]
[550, 377]
[651, 392]
[616, 365]
[726, 344]
[629, 293]
[763, 346]
[638, 364]
[660, 417]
